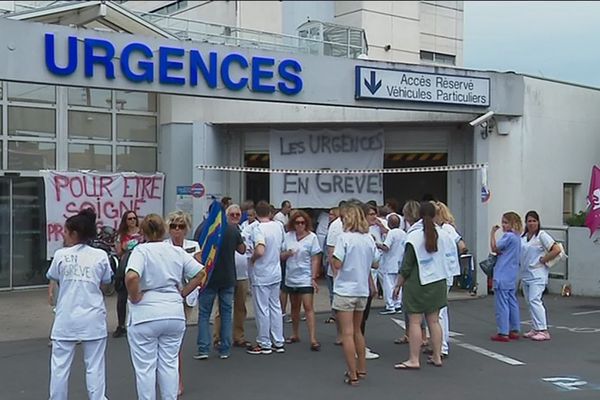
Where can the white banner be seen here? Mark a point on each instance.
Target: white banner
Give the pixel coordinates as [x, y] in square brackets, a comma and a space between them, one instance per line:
[110, 195]
[326, 149]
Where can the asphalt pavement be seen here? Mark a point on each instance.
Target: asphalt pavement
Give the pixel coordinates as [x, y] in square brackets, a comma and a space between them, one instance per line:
[568, 366]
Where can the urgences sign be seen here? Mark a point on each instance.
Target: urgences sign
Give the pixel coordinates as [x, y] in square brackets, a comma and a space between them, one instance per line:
[175, 66]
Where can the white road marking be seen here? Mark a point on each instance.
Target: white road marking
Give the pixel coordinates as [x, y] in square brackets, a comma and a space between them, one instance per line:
[566, 382]
[489, 353]
[586, 312]
[477, 349]
[402, 324]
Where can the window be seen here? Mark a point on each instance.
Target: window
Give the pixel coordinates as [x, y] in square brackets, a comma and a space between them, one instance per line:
[136, 128]
[86, 97]
[140, 159]
[439, 58]
[171, 8]
[31, 155]
[27, 121]
[89, 125]
[569, 192]
[31, 92]
[135, 101]
[90, 156]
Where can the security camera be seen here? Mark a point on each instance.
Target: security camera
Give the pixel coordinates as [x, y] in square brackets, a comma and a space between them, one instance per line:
[482, 119]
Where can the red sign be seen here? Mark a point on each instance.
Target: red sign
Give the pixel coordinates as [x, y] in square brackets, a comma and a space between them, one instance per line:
[198, 190]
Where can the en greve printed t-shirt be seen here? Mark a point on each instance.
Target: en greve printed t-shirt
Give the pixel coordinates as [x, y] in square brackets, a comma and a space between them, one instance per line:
[358, 253]
[80, 310]
[161, 267]
[267, 269]
[531, 251]
[298, 272]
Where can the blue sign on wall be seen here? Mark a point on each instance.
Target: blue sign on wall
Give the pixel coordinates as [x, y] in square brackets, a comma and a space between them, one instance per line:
[184, 190]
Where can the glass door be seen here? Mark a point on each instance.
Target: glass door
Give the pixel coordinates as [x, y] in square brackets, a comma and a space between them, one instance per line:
[5, 232]
[22, 232]
[28, 232]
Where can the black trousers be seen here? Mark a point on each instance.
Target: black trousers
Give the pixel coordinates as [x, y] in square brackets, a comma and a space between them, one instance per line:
[366, 315]
[121, 307]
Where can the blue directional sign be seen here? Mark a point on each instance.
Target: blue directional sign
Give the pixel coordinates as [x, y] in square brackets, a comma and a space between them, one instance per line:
[399, 85]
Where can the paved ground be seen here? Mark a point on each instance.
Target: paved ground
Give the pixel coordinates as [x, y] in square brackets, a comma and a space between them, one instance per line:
[568, 366]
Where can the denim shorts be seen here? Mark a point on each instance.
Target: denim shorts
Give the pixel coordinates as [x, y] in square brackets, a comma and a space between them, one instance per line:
[349, 303]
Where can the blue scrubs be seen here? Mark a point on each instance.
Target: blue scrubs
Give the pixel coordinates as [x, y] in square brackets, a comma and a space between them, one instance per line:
[505, 283]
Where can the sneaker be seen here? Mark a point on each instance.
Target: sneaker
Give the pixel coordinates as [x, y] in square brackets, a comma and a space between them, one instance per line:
[529, 334]
[387, 312]
[303, 318]
[279, 349]
[224, 356]
[258, 350]
[200, 356]
[369, 355]
[514, 336]
[541, 336]
[398, 310]
[500, 338]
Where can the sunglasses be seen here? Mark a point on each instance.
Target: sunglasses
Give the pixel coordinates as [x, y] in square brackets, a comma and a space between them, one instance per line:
[176, 226]
[131, 218]
[300, 222]
[235, 214]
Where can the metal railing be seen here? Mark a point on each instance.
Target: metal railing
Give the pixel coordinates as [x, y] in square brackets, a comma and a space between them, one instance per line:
[186, 29]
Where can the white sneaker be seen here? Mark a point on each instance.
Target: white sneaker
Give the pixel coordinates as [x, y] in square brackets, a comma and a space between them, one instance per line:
[369, 355]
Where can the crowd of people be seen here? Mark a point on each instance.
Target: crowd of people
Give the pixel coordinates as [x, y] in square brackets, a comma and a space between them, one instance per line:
[411, 255]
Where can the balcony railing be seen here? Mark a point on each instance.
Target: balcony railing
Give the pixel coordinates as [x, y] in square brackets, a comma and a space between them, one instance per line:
[206, 32]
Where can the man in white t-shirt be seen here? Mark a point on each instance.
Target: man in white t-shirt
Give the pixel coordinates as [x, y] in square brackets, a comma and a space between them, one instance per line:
[267, 239]
[284, 213]
[391, 259]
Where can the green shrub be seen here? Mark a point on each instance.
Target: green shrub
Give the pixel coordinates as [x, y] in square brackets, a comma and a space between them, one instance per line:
[577, 219]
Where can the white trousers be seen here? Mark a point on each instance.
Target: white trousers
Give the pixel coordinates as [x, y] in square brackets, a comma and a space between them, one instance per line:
[388, 282]
[533, 294]
[95, 370]
[445, 324]
[269, 319]
[154, 348]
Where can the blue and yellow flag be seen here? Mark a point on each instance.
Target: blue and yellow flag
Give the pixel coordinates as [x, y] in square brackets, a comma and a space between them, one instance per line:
[211, 237]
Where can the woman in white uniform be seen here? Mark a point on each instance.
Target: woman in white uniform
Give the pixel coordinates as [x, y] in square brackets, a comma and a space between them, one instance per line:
[354, 255]
[156, 318]
[302, 255]
[179, 224]
[79, 270]
[537, 248]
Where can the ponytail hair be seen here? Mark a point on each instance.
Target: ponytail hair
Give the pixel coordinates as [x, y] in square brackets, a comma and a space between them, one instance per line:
[83, 224]
[427, 213]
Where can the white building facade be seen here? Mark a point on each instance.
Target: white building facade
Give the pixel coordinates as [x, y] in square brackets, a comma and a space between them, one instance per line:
[82, 99]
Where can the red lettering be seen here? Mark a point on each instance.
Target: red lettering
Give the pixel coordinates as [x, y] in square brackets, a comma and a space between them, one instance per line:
[60, 182]
[105, 182]
[55, 232]
[126, 186]
[91, 190]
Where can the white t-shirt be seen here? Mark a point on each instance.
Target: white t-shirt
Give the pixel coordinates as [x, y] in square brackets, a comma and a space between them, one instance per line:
[451, 230]
[531, 251]
[162, 268]
[298, 268]
[190, 247]
[358, 253]
[322, 228]
[242, 260]
[391, 260]
[267, 269]
[80, 310]
[336, 228]
[281, 217]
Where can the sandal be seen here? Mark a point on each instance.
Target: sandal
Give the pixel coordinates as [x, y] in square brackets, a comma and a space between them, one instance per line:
[402, 340]
[330, 320]
[349, 380]
[361, 374]
[292, 339]
[431, 362]
[316, 346]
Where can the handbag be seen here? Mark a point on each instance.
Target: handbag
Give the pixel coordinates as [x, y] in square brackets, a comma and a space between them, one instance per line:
[487, 265]
[561, 256]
